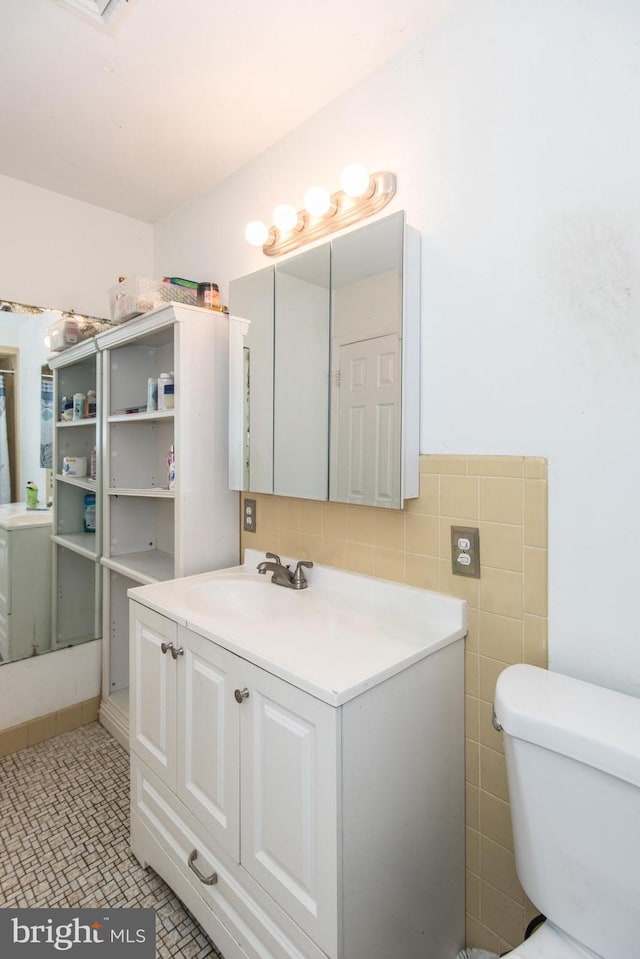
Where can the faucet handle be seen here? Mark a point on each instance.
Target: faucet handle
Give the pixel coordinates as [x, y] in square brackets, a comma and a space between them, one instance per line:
[299, 578]
[274, 557]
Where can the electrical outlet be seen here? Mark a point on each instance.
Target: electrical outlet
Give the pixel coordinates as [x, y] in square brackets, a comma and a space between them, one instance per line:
[465, 551]
[249, 516]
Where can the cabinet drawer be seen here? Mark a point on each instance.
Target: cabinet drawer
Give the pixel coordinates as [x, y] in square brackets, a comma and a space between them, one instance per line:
[179, 833]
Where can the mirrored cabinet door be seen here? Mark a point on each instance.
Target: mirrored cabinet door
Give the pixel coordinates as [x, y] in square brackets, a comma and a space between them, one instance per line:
[301, 376]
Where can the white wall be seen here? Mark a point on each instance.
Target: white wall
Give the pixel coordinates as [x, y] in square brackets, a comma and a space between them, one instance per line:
[60, 253]
[64, 254]
[514, 132]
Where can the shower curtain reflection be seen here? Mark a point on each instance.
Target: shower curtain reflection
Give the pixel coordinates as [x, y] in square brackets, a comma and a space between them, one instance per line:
[5, 466]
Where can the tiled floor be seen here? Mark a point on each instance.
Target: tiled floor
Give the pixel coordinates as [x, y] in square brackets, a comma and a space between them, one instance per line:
[64, 837]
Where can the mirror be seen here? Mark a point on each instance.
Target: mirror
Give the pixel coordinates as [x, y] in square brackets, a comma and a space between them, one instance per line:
[301, 375]
[338, 330]
[25, 537]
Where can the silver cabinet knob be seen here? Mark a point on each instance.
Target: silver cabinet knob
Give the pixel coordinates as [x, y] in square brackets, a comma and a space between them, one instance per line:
[241, 694]
[167, 648]
[177, 652]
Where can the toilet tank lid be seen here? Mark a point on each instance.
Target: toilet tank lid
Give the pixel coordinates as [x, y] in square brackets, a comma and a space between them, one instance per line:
[594, 725]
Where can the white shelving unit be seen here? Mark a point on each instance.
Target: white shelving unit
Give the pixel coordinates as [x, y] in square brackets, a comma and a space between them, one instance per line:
[150, 533]
[76, 599]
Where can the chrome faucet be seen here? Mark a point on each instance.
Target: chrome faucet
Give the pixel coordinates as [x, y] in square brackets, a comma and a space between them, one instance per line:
[282, 575]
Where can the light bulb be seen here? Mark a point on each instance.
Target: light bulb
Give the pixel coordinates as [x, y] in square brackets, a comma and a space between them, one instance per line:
[256, 233]
[317, 201]
[285, 217]
[354, 179]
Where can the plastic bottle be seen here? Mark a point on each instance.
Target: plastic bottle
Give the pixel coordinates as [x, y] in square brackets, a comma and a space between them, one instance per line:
[32, 495]
[91, 405]
[171, 468]
[93, 464]
[90, 513]
[78, 405]
[152, 394]
[165, 391]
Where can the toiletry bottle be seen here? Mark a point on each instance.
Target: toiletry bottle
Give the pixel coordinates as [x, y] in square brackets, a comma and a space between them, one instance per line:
[90, 513]
[165, 391]
[78, 406]
[32, 495]
[152, 394]
[92, 464]
[90, 406]
[171, 468]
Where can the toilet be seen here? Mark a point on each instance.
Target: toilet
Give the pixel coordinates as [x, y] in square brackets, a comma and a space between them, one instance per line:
[573, 767]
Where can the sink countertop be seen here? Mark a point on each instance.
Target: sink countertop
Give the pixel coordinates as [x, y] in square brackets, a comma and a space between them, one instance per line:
[343, 634]
[17, 516]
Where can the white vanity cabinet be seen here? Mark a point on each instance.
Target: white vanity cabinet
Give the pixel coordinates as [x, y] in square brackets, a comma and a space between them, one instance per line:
[25, 582]
[295, 824]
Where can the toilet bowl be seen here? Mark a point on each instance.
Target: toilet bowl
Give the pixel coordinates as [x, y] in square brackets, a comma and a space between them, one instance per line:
[573, 767]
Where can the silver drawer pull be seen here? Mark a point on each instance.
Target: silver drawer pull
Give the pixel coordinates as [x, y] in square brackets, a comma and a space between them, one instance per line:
[207, 880]
[177, 652]
[167, 648]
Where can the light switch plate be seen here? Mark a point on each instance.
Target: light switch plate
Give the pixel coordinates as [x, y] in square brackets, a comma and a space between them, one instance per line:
[465, 551]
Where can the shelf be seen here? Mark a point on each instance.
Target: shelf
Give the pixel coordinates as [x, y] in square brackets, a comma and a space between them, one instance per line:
[147, 566]
[155, 415]
[120, 699]
[82, 481]
[157, 492]
[82, 543]
[64, 424]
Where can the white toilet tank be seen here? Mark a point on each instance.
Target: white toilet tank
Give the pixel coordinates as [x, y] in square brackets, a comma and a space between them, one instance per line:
[573, 765]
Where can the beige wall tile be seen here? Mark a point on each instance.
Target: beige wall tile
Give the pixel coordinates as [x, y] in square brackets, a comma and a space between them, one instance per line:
[360, 524]
[472, 641]
[435, 463]
[501, 546]
[500, 637]
[501, 592]
[288, 513]
[472, 762]
[471, 673]
[501, 501]
[487, 735]
[535, 587]
[472, 806]
[334, 520]
[388, 529]
[90, 708]
[472, 894]
[495, 819]
[69, 718]
[535, 513]
[459, 497]
[472, 718]
[479, 936]
[512, 466]
[13, 739]
[422, 571]
[535, 467]
[489, 670]
[360, 558]
[40, 729]
[460, 586]
[498, 867]
[334, 552]
[501, 914]
[311, 547]
[472, 849]
[422, 534]
[493, 773]
[310, 517]
[535, 641]
[290, 542]
[389, 563]
[267, 512]
[429, 499]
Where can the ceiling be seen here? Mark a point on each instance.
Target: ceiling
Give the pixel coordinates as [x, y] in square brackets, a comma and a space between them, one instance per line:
[184, 92]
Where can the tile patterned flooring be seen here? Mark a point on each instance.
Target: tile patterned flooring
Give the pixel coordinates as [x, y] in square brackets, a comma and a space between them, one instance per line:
[64, 838]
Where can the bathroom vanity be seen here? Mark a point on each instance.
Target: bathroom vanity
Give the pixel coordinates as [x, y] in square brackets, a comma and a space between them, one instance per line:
[25, 581]
[297, 761]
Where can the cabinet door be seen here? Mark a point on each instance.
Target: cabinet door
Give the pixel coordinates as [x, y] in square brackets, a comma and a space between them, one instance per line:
[208, 735]
[288, 801]
[153, 692]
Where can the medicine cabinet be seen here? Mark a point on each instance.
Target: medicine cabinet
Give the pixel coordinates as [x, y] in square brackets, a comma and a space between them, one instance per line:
[324, 400]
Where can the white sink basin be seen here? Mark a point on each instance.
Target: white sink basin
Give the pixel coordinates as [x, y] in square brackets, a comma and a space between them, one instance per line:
[242, 597]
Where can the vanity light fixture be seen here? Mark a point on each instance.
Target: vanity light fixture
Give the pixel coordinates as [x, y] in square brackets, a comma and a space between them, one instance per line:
[362, 194]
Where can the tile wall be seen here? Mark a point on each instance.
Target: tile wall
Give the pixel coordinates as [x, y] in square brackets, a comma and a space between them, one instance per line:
[506, 497]
[15, 738]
